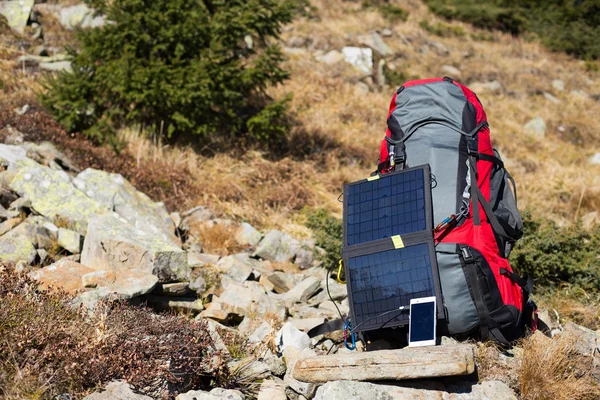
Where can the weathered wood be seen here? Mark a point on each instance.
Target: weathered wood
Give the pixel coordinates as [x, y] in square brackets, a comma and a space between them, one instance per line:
[407, 363]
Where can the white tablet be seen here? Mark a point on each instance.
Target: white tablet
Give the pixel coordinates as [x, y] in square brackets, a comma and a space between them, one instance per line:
[422, 322]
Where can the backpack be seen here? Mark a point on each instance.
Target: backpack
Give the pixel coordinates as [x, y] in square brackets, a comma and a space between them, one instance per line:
[442, 123]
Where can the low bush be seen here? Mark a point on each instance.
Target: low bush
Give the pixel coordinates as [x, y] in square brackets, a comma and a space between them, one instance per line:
[328, 233]
[442, 29]
[572, 27]
[49, 348]
[553, 255]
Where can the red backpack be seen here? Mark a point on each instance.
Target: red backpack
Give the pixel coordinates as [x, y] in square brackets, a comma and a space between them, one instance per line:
[442, 123]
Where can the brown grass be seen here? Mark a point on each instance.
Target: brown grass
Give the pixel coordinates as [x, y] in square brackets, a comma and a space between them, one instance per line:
[573, 304]
[218, 239]
[48, 348]
[552, 369]
[494, 364]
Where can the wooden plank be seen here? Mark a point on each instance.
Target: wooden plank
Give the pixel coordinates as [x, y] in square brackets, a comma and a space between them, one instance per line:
[407, 363]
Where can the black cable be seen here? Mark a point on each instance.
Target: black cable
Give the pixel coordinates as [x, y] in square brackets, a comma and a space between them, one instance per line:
[331, 298]
[376, 316]
[402, 311]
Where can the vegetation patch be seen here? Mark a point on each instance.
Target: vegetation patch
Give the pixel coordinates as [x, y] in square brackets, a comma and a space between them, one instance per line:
[442, 29]
[328, 233]
[49, 348]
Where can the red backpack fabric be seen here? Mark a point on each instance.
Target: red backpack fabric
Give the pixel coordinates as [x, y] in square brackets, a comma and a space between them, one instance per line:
[442, 123]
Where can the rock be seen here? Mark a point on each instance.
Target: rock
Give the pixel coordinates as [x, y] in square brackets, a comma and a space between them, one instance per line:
[176, 218]
[306, 324]
[361, 89]
[238, 267]
[303, 291]
[588, 341]
[250, 299]
[260, 333]
[69, 240]
[387, 32]
[116, 193]
[198, 285]
[277, 246]
[8, 225]
[289, 335]
[16, 13]
[216, 338]
[92, 279]
[551, 98]
[558, 85]
[38, 230]
[42, 255]
[15, 249]
[247, 235]
[22, 110]
[117, 390]
[292, 356]
[195, 216]
[340, 390]
[360, 58]
[337, 290]
[173, 303]
[451, 71]
[579, 94]
[375, 42]
[589, 220]
[63, 274]
[80, 15]
[130, 283]
[272, 389]
[52, 196]
[215, 311]
[250, 370]
[12, 154]
[494, 87]
[536, 128]
[295, 42]
[329, 306]
[215, 394]
[113, 244]
[276, 364]
[282, 282]
[90, 299]
[56, 66]
[173, 289]
[200, 259]
[304, 258]
[595, 159]
[489, 390]
[330, 58]
[407, 363]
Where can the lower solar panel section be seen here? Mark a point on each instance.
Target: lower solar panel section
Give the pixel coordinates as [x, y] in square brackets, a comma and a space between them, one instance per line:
[380, 283]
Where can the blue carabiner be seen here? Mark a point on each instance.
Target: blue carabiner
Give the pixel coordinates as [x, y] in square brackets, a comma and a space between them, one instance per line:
[348, 327]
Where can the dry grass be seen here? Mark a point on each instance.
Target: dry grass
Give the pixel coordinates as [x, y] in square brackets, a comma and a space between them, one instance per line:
[493, 363]
[47, 347]
[553, 369]
[573, 304]
[217, 238]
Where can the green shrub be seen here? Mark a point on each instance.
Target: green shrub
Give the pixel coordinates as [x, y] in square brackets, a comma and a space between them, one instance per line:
[572, 27]
[389, 11]
[328, 232]
[176, 68]
[553, 255]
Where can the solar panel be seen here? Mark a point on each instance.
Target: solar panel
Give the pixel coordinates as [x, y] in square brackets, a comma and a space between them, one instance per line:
[381, 282]
[395, 204]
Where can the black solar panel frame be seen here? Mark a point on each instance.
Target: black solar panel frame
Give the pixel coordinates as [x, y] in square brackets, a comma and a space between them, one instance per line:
[427, 195]
[387, 244]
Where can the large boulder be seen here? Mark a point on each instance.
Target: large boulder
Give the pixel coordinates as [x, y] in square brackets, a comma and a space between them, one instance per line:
[80, 15]
[113, 244]
[16, 13]
[64, 274]
[116, 193]
[51, 195]
[38, 230]
[278, 246]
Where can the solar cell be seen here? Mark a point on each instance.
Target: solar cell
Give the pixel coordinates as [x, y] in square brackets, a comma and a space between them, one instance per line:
[392, 205]
[382, 282]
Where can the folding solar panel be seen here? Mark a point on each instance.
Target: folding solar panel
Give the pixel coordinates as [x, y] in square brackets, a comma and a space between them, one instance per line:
[394, 204]
[388, 247]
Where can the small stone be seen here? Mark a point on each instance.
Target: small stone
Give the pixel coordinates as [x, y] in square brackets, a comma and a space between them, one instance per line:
[238, 267]
[551, 98]
[173, 289]
[361, 89]
[306, 324]
[558, 85]
[536, 128]
[198, 285]
[176, 218]
[375, 42]
[260, 333]
[196, 259]
[277, 246]
[247, 235]
[56, 66]
[579, 94]
[494, 87]
[289, 335]
[387, 32]
[117, 390]
[272, 389]
[215, 394]
[304, 258]
[15, 249]
[8, 225]
[330, 58]
[173, 303]
[451, 71]
[69, 240]
[282, 282]
[303, 291]
[595, 159]
[360, 58]
[42, 255]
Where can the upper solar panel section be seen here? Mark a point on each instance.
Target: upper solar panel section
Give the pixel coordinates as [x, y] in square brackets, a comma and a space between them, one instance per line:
[385, 207]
